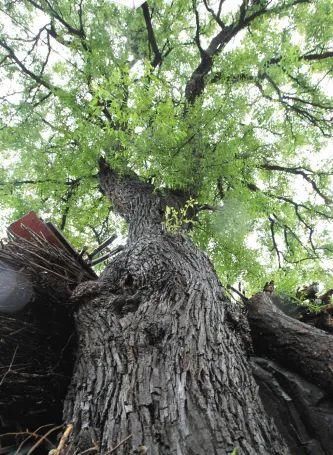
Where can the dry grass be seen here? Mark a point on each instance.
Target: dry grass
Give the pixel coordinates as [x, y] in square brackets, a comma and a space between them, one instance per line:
[52, 270]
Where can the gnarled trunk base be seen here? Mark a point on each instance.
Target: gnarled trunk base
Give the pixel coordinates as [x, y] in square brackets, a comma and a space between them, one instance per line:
[162, 359]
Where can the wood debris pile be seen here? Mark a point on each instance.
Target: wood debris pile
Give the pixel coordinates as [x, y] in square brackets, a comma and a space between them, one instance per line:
[37, 342]
[53, 271]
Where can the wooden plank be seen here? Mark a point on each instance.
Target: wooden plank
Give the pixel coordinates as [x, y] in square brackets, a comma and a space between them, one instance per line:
[66, 245]
[31, 224]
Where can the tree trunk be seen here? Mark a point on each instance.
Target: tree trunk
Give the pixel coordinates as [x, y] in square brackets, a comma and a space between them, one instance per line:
[162, 357]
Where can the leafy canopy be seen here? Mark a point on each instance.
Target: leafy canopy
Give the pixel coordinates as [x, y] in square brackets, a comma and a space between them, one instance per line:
[228, 100]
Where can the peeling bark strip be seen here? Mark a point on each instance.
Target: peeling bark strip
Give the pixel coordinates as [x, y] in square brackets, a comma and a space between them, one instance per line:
[161, 350]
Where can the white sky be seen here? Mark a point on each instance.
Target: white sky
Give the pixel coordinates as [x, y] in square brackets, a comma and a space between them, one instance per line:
[129, 3]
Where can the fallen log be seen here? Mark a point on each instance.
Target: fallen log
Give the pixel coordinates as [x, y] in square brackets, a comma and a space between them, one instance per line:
[293, 366]
[299, 347]
[302, 411]
[322, 319]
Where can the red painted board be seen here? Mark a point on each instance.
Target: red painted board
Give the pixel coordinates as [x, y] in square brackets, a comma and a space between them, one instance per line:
[31, 223]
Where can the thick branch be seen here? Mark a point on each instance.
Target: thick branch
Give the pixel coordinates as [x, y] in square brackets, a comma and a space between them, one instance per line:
[196, 83]
[247, 77]
[247, 14]
[275, 245]
[299, 347]
[36, 182]
[134, 200]
[157, 60]
[71, 190]
[139, 203]
[309, 57]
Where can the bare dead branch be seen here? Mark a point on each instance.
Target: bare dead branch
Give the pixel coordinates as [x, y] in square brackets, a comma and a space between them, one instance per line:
[43, 438]
[118, 445]
[9, 368]
[63, 440]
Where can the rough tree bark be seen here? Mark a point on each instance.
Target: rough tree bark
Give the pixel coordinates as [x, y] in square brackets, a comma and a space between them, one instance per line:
[162, 353]
[307, 350]
[294, 369]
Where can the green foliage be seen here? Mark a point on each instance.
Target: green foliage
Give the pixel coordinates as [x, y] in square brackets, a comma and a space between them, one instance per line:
[175, 219]
[252, 145]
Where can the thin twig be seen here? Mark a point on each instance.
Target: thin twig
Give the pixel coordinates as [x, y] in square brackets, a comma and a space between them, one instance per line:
[33, 434]
[63, 439]
[43, 438]
[9, 368]
[118, 445]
